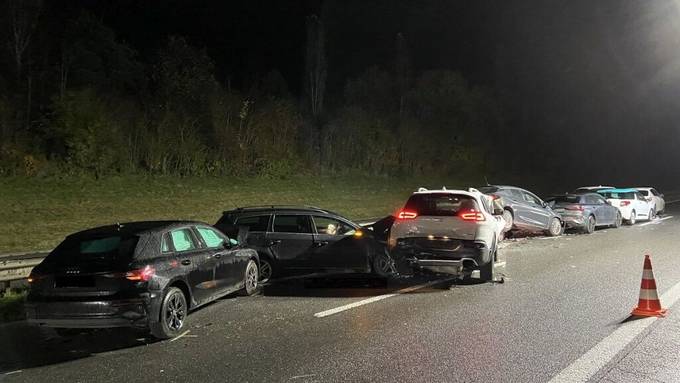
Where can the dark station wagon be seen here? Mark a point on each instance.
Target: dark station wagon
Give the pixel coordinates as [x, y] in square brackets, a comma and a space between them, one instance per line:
[143, 274]
[299, 240]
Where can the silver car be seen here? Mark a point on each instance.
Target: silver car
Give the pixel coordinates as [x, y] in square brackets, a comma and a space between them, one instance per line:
[448, 231]
[585, 211]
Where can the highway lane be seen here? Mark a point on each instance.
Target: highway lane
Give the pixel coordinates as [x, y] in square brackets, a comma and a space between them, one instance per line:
[561, 298]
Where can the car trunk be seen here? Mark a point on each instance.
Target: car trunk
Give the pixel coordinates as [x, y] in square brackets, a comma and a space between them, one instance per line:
[86, 267]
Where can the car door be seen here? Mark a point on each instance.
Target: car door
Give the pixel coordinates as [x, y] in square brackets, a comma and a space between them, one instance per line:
[197, 263]
[536, 213]
[604, 215]
[336, 246]
[659, 200]
[645, 205]
[515, 200]
[291, 240]
[227, 266]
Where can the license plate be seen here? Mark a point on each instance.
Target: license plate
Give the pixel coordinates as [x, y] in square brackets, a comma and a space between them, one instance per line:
[74, 281]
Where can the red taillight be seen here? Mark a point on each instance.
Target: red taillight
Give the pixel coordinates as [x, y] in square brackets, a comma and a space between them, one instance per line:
[495, 196]
[574, 207]
[624, 203]
[142, 275]
[407, 214]
[471, 215]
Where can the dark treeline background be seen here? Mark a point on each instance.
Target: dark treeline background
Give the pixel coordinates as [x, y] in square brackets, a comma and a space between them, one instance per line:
[588, 90]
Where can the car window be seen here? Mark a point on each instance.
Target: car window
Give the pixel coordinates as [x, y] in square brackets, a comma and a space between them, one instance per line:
[254, 223]
[183, 240]
[591, 199]
[598, 200]
[440, 204]
[655, 192]
[292, 224]
[330, 226]
[640, 196]
[486, 203]
[530, 198]
[165, 244]
[644, 192]
[210, 237]
[514, 194]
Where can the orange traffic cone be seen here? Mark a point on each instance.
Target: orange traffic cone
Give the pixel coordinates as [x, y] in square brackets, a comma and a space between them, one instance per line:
[648, 304]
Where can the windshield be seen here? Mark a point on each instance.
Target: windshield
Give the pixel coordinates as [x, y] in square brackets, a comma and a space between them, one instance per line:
[563, 200]
[618, 195]
[85, 249]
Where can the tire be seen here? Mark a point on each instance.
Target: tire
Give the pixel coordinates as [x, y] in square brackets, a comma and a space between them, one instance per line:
[172, 318]
[383, 265]
[652, 214]
[486, 271]
[632, 219]
[266, 269]
[590, 225]
[509, 219]
[555, 227]
[250, 279]
[618, 220]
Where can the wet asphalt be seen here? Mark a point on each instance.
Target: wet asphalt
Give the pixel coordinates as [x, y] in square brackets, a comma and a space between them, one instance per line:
[561, 296]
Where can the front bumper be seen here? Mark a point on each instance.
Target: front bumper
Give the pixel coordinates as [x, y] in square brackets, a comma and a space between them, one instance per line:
[92, 314]
[470, 255]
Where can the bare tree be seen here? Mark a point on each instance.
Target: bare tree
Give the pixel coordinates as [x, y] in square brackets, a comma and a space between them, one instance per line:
[315, 66]
[23, 17]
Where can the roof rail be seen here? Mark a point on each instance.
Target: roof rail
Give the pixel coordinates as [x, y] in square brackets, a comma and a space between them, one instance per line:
[279, 207]
[421, 189]
[473, 190]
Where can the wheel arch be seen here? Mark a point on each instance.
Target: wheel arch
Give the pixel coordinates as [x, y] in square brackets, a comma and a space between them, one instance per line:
[184, 287]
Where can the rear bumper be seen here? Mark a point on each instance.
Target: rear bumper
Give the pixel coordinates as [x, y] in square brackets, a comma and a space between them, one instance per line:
[454, 262]
[92, 314]
[571, 221]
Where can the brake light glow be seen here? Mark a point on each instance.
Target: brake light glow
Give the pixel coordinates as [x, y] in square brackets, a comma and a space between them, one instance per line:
[472, 215]
[142, 275]
[407, 214]
[624, 203]
[34, 277]
[358, 234]
[574, 207]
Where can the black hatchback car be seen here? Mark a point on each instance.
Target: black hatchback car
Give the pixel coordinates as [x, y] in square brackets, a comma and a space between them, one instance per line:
[298, 240]
[142, 274]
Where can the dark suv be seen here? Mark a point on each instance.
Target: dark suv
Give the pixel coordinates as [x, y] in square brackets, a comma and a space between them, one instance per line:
[142, 274]
[298, 240]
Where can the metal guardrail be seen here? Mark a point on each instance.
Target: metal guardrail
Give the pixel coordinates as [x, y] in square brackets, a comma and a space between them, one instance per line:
[15, 267]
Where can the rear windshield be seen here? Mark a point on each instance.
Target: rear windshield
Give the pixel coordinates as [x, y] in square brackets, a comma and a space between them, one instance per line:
[644, 192]
[564, 199]
[488, 189]
[440, 204]
[617, 195]
[76, 249]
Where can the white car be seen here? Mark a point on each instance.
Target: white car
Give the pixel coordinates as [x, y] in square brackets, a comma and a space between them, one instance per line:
[448, 231]
[631, 203]
[653, 195]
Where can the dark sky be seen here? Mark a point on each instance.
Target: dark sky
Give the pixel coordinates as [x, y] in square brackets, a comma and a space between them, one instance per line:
[605, 73]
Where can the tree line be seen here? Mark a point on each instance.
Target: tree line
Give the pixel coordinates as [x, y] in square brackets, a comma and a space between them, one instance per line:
[75, 99]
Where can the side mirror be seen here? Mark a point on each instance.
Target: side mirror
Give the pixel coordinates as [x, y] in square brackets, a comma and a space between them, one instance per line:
[661, 195]
[608, 202]
[497, 211]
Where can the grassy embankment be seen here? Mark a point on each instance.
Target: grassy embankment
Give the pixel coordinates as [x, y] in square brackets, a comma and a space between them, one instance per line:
[36, 214]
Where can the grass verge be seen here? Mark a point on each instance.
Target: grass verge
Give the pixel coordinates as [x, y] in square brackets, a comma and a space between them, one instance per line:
[12, 305]
[36, 214]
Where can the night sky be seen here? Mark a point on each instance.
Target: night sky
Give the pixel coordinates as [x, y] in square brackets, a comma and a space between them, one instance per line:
[606, 72]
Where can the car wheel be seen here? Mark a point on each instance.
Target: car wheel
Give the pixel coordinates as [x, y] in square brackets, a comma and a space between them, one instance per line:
[618, 220]
[266, 269]
[555, 227]
[173, 315]
[486, 271]
[383, 265]
[508, 218]
[250, 279]
[652, 214]
[590, 225]
[633, 217]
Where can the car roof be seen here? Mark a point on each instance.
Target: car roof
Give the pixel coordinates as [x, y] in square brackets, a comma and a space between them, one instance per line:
[281, 208]
[614, 190]
[643, 188]
[135, 228]
[470, 192]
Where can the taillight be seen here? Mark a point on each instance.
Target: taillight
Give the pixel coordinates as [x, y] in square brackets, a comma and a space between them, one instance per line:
[624, 203]
[142, 275]
[34, 277]
[574, 207]
[407, 214]
[471, 215]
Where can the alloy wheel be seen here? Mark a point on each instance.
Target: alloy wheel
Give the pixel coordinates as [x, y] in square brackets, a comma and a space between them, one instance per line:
[265, 270]
[251, 277]
[175, 312]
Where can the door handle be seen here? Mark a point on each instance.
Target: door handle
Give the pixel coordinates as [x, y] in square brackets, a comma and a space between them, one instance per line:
[186, 262]
[274, 242]
[321, 244]
[218, 256]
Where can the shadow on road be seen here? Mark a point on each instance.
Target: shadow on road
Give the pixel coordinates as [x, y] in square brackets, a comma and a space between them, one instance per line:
[24, 346]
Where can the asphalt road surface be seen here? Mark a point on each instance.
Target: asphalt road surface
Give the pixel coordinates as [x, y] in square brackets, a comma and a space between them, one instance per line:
[562, 313]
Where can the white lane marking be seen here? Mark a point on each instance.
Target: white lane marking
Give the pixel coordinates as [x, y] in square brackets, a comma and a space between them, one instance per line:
[301, 376]
[602, 353]
[656, 221]
[673, 201]
[377, 298]
[13, 372]
[180, 336]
